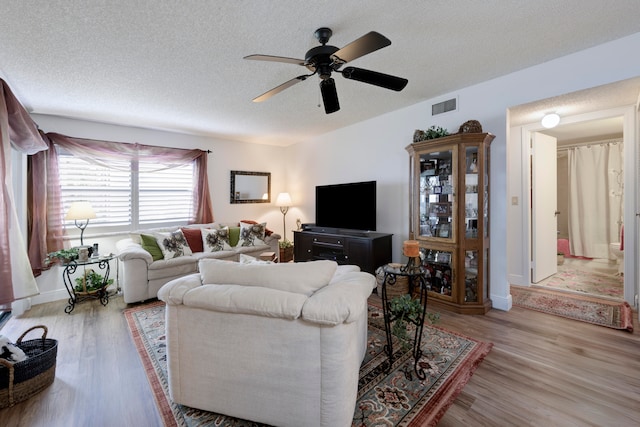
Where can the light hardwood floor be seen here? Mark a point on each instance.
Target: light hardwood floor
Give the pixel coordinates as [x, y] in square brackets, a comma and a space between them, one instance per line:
[542, 371]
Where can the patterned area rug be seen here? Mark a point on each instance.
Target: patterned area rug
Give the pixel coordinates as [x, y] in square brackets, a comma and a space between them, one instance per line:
[585, 282]
[612, 314]
[395, 399]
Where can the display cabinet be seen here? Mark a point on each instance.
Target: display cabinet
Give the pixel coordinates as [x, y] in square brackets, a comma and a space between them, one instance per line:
[449, 216]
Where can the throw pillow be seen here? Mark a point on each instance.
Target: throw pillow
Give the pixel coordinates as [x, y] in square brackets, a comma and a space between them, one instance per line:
[251, 234]
[173, 245]
[214, 240]
[194, 238]
[267, 232]
[234, 236]
[150, 245]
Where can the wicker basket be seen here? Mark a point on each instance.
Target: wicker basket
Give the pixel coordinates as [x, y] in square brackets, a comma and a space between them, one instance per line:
[401, 287]
[19, 381]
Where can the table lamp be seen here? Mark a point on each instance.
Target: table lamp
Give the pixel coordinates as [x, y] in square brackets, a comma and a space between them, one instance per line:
[284, 201]
[81, 213]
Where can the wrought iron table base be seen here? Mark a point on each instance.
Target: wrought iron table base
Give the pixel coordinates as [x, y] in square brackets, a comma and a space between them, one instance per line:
[75, 297]
[415, 276]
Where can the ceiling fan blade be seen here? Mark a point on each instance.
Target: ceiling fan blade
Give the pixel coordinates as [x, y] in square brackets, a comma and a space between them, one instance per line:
[280, 88]
[373, 77]
[329, 95]
[276, 59]
[368, 43]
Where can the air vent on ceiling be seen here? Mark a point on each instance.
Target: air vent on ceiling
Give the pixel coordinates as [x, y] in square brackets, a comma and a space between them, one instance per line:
[444, 106]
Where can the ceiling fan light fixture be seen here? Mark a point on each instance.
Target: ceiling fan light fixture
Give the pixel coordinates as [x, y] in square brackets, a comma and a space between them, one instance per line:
[550, 120]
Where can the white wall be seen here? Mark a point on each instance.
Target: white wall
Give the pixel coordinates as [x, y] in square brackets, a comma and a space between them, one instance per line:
[374, 149]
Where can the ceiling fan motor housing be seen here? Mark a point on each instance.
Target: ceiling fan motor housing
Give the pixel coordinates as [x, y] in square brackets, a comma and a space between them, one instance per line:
[319, 59]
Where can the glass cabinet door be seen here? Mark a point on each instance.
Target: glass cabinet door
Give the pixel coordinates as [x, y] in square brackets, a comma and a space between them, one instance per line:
[471, 193]
[437, 196]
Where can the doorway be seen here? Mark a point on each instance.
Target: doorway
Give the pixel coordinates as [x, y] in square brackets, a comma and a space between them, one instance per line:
[589, 208]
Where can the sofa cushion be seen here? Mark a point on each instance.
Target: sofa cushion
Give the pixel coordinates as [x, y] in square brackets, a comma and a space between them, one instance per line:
[215, 239]
[247, 300]
[252, 234]
[194, 238]
[150, 245]
[173, 245]
[302, 278]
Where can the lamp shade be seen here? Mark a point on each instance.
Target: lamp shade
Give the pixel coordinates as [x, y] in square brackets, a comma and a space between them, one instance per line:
[284, 199]
[80, 210]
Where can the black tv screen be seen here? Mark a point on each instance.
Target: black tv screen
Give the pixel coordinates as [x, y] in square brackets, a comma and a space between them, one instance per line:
[349, 206]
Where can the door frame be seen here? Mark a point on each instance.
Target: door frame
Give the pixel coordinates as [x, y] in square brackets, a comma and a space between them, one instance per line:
[522, 136]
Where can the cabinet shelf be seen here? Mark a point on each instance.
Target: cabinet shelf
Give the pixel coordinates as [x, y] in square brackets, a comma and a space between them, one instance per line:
[449, 212]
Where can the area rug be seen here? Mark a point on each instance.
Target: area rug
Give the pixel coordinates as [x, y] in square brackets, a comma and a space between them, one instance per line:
[397, 398]
[585, 282]
[612, 314]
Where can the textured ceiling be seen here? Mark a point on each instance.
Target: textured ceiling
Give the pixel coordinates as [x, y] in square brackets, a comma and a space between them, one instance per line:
[178, 65]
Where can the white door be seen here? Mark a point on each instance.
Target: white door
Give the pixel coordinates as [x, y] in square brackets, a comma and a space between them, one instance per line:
[544, 227]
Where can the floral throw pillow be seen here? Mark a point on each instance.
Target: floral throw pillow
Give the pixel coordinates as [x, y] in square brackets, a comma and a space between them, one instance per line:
[214, 240]
[252, 234]
[173, 245]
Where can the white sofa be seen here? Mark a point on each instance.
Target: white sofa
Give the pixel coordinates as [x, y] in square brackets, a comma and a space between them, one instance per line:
[141, 276]
[280, 344]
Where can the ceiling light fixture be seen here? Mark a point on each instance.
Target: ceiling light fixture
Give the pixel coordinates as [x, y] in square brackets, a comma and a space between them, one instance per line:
[550, 120]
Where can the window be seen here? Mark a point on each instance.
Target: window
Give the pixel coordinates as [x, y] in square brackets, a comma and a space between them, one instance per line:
[127, 195]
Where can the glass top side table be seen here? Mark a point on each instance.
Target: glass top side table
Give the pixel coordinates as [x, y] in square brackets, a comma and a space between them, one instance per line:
[418, 285]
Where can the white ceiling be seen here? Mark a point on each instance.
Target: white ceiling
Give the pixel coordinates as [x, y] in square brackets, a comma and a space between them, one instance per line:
[178, 65]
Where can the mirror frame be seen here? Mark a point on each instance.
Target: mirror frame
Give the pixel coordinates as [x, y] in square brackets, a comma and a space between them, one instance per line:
[232, 194]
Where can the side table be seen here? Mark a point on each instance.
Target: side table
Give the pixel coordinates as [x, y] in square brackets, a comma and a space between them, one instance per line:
[102, 263]
[416, 277]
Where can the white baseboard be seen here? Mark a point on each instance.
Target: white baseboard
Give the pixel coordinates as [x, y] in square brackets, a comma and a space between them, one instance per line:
[55, 295]
[502, 303]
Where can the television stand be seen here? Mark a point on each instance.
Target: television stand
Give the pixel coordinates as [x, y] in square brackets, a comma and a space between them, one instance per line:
[368, 250]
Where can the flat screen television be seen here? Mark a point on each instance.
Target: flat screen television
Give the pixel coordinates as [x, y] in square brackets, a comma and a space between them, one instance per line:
[348, 206]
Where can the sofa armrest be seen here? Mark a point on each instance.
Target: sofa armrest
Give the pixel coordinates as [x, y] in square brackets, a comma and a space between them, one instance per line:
[173, 292]
[129, 250]
[343, 301]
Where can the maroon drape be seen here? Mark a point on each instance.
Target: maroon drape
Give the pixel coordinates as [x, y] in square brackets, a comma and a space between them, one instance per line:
[44, 222]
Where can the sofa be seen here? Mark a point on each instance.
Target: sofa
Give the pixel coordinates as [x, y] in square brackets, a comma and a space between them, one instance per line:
[280, 344]
[150, 258]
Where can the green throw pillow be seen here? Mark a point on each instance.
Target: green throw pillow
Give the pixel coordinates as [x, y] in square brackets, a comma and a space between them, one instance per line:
[234, 236]
[150, 245]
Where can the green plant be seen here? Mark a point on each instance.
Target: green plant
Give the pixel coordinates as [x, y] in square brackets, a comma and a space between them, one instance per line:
[435, 132]
[94, 281]
[63, 255]
[284, 244]
[405, 309]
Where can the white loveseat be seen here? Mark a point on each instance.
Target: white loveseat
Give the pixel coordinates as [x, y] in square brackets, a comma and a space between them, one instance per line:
[142, 276]
[280, 344]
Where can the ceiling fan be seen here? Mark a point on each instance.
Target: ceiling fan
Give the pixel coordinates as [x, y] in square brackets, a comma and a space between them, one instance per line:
[325, 59]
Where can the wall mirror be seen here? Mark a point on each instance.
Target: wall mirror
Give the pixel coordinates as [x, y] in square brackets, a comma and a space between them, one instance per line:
[250, 187]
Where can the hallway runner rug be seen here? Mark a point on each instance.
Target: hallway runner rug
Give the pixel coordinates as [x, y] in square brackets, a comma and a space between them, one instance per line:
[585, 282]
[612, 314]
[395, 399]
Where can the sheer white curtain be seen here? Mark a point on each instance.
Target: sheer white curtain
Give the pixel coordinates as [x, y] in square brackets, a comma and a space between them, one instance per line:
[595, 198]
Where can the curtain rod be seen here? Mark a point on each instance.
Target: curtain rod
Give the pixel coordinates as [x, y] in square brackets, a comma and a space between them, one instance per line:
[587, 144]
